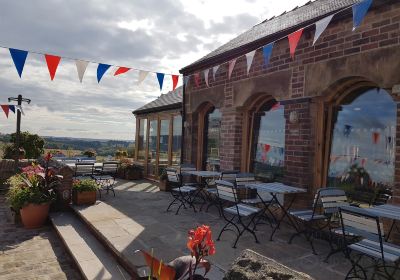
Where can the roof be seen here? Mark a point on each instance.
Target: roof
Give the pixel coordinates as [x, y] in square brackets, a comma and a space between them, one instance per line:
[271, 30]
[167, 101]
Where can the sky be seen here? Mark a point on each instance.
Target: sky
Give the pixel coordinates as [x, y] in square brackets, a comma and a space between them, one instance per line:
[156, 35]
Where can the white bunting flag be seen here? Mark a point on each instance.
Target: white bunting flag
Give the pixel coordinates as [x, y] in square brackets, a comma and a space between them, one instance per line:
[19, 107]
[186, 81]
[320, 27]
[206, 76]
[81, 66]
[231, 65]
[249, 60]
[215, 69]
[142, 75]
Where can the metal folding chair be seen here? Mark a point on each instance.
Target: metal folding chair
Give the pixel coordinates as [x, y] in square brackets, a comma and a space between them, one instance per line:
[105, 176]
[240, 215]
[369, 227]
[182, 194]
[84, 169]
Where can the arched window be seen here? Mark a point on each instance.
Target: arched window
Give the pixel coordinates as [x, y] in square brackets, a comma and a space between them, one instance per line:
[362, 151]
[268, 147]
[212, 139]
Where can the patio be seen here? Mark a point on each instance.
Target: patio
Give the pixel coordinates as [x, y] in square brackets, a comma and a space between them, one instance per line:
[136, 219]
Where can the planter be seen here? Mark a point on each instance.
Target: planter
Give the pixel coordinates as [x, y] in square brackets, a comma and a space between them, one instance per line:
[133, 174]
[164, 186]
[34, 215]
[84, 198]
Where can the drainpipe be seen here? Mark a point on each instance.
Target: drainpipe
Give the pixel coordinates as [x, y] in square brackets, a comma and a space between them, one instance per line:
[183, 119]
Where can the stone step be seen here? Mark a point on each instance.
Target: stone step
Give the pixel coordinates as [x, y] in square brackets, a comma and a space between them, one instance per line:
[91, 257]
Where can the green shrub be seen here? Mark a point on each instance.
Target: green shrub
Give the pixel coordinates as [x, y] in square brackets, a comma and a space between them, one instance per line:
[85, 185]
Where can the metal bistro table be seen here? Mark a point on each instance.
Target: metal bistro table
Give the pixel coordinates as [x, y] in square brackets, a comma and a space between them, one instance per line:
[387, 211]
[276, 189]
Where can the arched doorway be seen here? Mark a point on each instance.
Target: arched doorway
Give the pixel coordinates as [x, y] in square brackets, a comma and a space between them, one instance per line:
[361, 149]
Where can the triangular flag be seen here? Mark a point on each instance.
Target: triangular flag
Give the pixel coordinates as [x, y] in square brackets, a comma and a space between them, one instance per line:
[249, 60]
[142, 75]
[19, 58]
[267, 51]
[12, 108]
[231, 65]
[81, 66]
[121, 70]
[186, 80]
[320, 27]
[52, 64]
[359, 12]
[6, 109]
[197, 79]
[294, 39]
[19, 108]
[175, 79]
[206, 76]
[160, 78]
[215, 69]
[101, 70]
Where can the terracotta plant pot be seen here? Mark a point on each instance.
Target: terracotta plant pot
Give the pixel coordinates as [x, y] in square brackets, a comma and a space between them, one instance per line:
[164, 186]
[84, 198]
[34, 215]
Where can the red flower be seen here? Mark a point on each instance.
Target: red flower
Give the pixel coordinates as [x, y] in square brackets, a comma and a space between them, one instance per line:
[48, 157]
[200, 242]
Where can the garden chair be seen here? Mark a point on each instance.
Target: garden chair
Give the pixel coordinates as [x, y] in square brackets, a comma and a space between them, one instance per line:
[385, 256]
[240, 215]
[182, 193]
[105, 176]
[309, 221]
[84, 170]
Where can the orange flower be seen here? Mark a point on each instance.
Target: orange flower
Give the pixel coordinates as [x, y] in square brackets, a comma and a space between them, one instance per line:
[200, 242]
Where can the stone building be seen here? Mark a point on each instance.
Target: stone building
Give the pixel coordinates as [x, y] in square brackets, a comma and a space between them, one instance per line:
[327, 117]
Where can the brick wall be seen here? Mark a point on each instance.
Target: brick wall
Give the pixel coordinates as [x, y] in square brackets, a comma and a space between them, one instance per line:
[368, 54]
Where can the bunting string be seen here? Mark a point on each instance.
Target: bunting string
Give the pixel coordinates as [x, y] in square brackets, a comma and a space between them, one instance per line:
[13, 108]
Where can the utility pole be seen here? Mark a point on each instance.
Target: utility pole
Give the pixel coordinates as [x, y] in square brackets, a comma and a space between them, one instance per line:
[19, 100]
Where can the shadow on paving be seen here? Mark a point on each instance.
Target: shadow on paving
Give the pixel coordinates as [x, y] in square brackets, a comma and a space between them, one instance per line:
[139, 211]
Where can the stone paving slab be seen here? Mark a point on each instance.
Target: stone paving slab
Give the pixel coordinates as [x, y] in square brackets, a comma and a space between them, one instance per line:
[91, 257]
[139, 221]
[32, 254]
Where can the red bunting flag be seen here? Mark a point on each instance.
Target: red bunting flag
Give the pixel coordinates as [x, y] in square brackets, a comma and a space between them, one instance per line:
[121, 70]
[6, 109]
[175, 79]
[197, 79]
[52, 64]
[294, 39]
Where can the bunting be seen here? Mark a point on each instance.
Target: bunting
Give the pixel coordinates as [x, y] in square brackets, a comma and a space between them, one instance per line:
[294, 39]
[215, 69]
[206, 76]
[142, 76]
[160, 78]
[359, 12]
[52, 64]
[19, 108]
[101, 70]
[320, 27]
[12, 108]
[19, 58]
[267, 51]
[81, 66]
[231, 65]
[6, 109]
[121, 70]
[249, 60]
[175, 79]
[186, 80]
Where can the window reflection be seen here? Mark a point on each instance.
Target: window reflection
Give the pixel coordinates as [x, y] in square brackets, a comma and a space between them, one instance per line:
[152, 154]
[176, 140]
[213, 139]
[142, 139]
[163, 148]
[363, 144]
[269, 141]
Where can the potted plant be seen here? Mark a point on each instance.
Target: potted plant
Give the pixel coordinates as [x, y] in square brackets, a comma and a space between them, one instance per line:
[134, 172]
[31, 193]
[84, 191]
[164, 186]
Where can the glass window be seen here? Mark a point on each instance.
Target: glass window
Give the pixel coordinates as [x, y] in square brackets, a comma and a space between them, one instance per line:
[163, 149]
[176, 140]
[363, 143]
[142, 139]
[152, 154]
[213, 140]
[269, 141]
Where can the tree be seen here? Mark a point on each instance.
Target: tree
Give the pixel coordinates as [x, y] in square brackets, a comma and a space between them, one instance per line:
[121, 154]
[31, 144]
[89, 153]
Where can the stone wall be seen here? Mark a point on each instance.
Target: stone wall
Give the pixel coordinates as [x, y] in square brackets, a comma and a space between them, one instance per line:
[340, 59]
